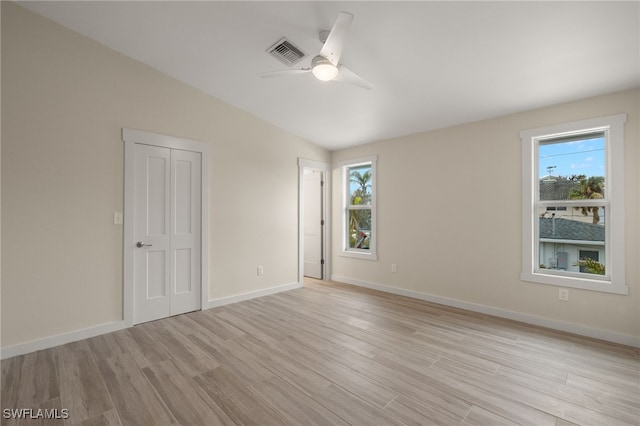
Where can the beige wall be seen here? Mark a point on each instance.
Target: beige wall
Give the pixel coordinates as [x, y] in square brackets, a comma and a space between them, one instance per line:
[449, 215]
[65, 99]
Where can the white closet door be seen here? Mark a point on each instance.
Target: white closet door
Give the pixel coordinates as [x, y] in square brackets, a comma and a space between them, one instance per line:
[167, 232]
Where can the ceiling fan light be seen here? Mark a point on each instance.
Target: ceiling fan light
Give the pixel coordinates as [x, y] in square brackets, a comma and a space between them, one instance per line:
[323, 69]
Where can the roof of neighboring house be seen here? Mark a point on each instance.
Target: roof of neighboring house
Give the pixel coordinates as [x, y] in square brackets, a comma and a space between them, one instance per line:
[556, 188]
[566, 229]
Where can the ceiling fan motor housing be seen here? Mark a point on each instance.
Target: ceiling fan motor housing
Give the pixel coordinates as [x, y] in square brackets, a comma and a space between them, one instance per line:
[323, 69]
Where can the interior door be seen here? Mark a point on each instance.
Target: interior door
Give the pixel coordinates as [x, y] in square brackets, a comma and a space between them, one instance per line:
[185, 231]
[313, 223]
[167, 232]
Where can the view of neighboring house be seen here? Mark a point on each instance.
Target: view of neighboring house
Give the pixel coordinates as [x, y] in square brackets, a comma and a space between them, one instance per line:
[558, 188]
[564, 241]
[568, 234]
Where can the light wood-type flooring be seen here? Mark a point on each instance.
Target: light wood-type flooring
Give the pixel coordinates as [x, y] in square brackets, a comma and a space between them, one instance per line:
[330, 354]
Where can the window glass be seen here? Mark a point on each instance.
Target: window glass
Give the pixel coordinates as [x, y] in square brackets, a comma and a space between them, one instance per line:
[360, 229]
[360, 184]
[565, 237]
[572, 168]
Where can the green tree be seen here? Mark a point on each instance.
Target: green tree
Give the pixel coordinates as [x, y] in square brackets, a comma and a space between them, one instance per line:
[591, 188]
[362, 194]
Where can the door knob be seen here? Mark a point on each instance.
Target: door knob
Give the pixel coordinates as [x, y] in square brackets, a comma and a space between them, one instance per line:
[140, 244]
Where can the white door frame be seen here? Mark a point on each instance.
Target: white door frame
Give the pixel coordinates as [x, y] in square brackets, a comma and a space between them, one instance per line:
[326, 207]
[130, 138]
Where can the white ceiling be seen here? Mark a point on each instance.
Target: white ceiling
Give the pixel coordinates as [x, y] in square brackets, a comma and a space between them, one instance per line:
[434, 64]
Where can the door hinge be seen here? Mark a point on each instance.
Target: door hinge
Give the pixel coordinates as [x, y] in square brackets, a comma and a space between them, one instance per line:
[322, 261]
[322, 222]
[321, 183]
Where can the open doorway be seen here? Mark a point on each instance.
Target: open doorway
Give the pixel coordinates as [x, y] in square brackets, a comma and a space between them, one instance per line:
[312, 182]
[313, 230]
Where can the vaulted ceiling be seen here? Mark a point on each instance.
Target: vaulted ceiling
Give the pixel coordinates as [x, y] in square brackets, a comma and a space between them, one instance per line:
[433, 64]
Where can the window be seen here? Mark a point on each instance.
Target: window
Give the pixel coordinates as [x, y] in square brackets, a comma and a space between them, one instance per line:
[359, 207]
[573, 205]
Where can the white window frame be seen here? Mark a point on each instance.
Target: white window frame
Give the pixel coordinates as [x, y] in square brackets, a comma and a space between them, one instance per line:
[614, 280]
[371, 253]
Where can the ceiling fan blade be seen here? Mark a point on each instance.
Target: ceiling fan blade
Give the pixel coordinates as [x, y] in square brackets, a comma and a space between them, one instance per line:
[350, 77]
[284, 73]
[332, 49]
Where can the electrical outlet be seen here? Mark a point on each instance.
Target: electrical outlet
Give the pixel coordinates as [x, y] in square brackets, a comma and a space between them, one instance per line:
[394, 267]
[563, 294]
[117, 218]
[260, 270]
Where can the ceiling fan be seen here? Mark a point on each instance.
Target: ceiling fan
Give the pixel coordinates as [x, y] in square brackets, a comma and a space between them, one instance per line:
[326, 65]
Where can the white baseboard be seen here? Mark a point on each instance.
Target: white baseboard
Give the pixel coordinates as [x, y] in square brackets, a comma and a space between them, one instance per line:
[60, 339]
[581, 330]
[250, 295]
[86, 333]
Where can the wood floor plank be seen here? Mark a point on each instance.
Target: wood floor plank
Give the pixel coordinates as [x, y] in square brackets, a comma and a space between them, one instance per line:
[424, 412]
[512, 357]
[604, 404]
[600, 348]
[145, 350]
[624, 379]
[82, 389]
[135, 399]
[235, 358]
[297, 407]
[374, 392]
[560, 422]
[331, 353]
[480, 417]
[187, 325]
[109, 418]
[11, 382]
[324, 336]
[535, 399]
[420, 385]
[252, 328]
[237, 400]
[598, 388]
[30, 380]
[224, 329]
[287, 366]
[248, 309]
[402, 379]
[188, 356]
[467, 366]
[108, 345]
[188, 403]
[353, 409]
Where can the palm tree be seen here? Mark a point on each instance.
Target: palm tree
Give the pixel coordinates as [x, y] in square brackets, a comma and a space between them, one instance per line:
[591, 188]
[363, 180]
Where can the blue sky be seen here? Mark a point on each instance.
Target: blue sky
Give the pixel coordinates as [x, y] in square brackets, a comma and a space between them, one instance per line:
[582, 157]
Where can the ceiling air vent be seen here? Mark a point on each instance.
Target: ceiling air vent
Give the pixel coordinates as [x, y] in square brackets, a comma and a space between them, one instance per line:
[286, 52]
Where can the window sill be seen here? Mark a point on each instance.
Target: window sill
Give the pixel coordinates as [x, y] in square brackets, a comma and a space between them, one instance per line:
[573, 282]
[359, 255]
